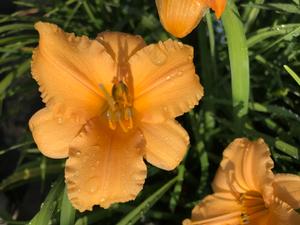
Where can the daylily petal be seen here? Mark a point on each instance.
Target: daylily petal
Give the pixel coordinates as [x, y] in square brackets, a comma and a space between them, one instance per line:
[280, 213]
[218, 6]
[287, 188]
[120, 45]
[105, 166]
[69, 70]
[53, 134]
[166, 143]
[180, 17]
[246, 166]
[217, 209]
[165, 82]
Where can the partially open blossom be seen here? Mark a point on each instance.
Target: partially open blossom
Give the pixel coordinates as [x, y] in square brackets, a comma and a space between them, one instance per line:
[111, 102]
[247, 191]
[180, 17]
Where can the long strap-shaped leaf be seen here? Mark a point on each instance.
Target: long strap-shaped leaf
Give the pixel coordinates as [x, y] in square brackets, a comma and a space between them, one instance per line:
[239, 60]
[67, 213]
[43, 217]
[139, 211]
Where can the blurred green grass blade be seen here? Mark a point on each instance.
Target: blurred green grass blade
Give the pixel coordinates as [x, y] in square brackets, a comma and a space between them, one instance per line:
[288, 37]
[268, 32]
[175, 195]
[14, 39]
[293, 74]
[71, 16]
[90, 14]
[67, 212]
[14, 147]
[275, 110]
[278, 143]
[6, 82]
[16, 27]
[23, 3]
[287, 148]
[27, 174]
[43, 217]
[279, 7]
[251, 14]
[140, 210]
[238, 56]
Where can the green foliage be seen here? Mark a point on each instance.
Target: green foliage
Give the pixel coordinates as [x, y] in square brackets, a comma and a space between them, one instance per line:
[253, 74]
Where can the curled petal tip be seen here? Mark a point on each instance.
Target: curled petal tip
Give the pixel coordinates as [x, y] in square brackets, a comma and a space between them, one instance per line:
[218, 6]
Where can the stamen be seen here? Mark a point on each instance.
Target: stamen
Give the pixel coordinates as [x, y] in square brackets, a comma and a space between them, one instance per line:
[109, 99]
[120, 109]
[111, 121]
[128, 117]
[122, 125]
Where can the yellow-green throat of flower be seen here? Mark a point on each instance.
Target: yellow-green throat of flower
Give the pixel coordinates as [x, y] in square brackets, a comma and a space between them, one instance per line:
[120, 107]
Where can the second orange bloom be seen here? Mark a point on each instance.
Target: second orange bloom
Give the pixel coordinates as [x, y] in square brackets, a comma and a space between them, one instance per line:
[180, 17]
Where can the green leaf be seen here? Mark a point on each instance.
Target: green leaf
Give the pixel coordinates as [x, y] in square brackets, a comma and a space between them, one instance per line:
[139, 211]
[287, 148]
[50, 204]
[251, 14]
[16, 27]
[275, 110]
[293, 74]
[279, 7]
[27, 174]
[6, 82]
[239, 60]
[67, 212]
[175, 195]
[268, 32]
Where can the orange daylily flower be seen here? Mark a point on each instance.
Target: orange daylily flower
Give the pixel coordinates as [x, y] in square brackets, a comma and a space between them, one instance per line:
[180, 17]
[247, 191]
[111, 102]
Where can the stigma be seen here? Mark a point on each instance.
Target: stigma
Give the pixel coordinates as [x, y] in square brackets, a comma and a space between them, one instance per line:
[120, 107]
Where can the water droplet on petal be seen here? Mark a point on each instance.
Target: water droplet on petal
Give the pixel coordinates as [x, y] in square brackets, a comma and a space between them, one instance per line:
[180, 44]
[156, 54]
[59, 120]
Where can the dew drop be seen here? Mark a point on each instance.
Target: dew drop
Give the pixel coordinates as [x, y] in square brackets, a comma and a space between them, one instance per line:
[78, 153]
[156, 55]
[59, 120]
